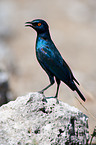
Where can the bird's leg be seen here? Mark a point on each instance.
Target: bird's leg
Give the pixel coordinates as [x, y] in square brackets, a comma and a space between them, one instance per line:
[42, 91]
[51, 83]
[58, 85]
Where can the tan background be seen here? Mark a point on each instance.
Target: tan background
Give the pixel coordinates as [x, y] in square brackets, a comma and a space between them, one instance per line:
[73, 30]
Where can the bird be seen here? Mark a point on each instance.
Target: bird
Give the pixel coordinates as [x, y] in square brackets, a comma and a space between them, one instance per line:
[51, 60]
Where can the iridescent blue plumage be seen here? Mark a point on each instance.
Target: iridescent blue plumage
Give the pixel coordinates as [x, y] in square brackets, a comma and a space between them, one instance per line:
[50, 59]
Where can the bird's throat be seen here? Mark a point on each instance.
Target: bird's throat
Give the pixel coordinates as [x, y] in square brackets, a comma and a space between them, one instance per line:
[44, 36]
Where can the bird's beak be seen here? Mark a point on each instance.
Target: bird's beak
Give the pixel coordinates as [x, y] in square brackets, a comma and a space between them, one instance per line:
[28, 24]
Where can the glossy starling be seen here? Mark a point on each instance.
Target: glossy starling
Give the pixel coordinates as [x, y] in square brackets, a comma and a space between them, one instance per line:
[51, 60]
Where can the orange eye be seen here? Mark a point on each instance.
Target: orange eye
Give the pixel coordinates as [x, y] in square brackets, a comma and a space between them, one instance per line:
[39, 24]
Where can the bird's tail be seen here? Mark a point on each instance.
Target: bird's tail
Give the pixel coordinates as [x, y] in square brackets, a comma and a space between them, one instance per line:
[80, 94]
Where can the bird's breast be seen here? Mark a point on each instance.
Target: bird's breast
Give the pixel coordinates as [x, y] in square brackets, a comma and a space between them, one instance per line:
[40, 43]
[41, 52]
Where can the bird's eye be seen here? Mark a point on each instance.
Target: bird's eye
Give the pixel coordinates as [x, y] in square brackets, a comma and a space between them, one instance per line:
[39, 24]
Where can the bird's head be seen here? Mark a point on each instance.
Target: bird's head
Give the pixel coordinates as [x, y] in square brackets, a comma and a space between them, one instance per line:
[39, 25]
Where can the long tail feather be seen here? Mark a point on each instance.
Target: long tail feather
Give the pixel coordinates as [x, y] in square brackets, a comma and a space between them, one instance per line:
[76, 81]
[80, 94]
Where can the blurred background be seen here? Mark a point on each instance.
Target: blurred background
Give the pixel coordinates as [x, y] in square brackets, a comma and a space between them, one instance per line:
[73, 30]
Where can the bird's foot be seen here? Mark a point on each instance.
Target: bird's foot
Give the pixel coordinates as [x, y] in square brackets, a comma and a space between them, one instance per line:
[44, 99]
[41, 92]
[57, 101]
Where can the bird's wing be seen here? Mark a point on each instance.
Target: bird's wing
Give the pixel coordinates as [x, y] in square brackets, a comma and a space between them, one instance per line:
[54, 63]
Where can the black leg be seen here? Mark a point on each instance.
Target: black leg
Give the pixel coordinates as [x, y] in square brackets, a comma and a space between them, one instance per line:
[42, 91]
[51, 83]
[58, 85]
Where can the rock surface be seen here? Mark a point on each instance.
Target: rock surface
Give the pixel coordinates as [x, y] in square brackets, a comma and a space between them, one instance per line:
[31, 120]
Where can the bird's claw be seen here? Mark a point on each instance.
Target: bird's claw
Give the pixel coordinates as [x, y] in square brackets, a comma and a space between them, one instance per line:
[57, 102]
[44, 99]
[41, 92]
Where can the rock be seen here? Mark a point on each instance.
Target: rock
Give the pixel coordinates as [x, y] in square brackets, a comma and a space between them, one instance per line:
[33, 120]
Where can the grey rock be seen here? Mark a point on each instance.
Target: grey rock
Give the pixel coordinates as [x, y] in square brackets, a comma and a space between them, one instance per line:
[33, 120]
